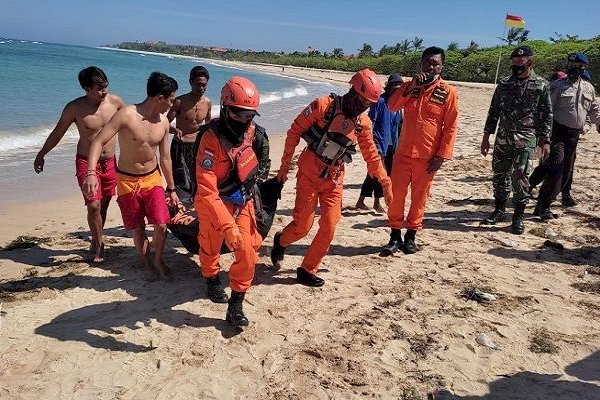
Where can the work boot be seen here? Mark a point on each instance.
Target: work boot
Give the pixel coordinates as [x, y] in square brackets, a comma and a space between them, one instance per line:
[394, 243]
[215, 291]
[568, 201]
[305, 278]
[499, 213]
[518, 224]
[410, 247]
[235, 313]
[277, 252]
[545, 214]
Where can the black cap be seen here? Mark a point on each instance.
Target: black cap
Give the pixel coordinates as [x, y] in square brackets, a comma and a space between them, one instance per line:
[394, 78]
[522, 51]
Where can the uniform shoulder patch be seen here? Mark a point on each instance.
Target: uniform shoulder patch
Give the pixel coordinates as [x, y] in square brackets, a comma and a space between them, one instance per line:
[208, 163]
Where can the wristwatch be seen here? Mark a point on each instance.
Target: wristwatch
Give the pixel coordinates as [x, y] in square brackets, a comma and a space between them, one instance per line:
[169, 190]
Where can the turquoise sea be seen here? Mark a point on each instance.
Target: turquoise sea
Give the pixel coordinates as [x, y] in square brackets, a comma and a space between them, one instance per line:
[37, 79]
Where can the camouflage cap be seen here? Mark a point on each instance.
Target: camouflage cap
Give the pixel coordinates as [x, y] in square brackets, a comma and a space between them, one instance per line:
[522, 51]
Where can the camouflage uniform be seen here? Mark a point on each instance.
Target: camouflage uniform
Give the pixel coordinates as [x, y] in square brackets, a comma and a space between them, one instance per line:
[521, 108]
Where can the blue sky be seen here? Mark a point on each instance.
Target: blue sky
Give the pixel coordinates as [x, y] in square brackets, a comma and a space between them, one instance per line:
[289, 25]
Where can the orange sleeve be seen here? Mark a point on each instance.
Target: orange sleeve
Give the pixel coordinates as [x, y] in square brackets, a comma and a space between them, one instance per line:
[210, 156]
[310, 115]
[369, 151]
[450, 126]
[397, 100]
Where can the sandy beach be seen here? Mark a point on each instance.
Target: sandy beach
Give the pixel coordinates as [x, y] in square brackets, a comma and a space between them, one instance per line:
[391, 328]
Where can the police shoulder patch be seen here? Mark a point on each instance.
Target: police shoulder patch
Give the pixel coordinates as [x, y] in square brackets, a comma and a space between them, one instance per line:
[208, 163]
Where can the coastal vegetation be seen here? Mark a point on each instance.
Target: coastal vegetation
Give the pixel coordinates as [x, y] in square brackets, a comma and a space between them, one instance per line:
[472, 63]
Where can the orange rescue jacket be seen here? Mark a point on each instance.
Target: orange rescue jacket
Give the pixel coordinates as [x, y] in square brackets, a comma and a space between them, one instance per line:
[430, 120]
[315, 113]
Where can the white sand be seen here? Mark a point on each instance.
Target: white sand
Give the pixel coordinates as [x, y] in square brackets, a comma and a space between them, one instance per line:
[379, 328]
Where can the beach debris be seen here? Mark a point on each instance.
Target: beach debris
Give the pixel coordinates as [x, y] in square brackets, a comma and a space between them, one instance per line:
[506, 242]
[25, 242]
[593, 270]
[549, 233]
[542, 342]
[554, 245]
[583, 274]
[484, 340]
[480, 296]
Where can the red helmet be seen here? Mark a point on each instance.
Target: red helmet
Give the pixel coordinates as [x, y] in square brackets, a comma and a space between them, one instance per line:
[240, 93]
[367, 84]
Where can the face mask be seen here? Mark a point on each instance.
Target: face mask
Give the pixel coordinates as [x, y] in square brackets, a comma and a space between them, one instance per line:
[233, 130]
[352, 106]
[518, 69]
[574, 73]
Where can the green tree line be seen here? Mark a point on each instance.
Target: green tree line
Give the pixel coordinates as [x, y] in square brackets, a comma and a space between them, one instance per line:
[470, 64]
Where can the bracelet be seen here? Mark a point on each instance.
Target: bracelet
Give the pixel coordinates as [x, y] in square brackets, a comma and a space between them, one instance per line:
[90, 173]
[169, 190]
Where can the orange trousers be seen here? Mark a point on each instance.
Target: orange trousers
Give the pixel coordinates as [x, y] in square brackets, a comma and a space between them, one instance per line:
[409, 171]
[310, 190]
[241, 272]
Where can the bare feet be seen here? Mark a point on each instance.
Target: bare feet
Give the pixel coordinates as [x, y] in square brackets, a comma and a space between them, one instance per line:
[360, 205]
[378, 207]
[99, 257]
[163, 270]
[151, 273]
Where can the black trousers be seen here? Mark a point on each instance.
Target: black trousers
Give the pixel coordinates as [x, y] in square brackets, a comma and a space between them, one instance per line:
[371, 186]
[559, 165]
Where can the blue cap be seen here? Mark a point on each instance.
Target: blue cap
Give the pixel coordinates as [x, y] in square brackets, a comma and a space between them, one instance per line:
[578, 57]
[585, 75]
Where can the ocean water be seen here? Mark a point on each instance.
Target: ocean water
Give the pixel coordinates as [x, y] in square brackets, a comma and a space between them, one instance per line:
[38, 79]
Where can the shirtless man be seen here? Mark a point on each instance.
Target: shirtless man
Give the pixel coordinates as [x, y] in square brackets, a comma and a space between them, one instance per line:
[142, 128]
[89, 113]
[191, 111]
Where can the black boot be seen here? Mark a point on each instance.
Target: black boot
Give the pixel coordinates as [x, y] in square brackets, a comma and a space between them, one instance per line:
[568, 201]
[518, 226]
[235, 313]
[307, 279]
[544, 212]
[277, 252]
[215, 291]
[410, 247]
[394, 243]
[499, 213]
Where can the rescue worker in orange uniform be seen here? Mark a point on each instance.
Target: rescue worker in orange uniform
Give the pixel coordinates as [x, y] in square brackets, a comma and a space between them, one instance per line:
[428, 133]
[332, 127]
[226, 170]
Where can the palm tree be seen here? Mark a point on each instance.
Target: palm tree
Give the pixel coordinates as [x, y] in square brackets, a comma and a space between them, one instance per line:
[417, 43]
[518, 35]
[338, 52]
[403, 47]
[366, 51]
[452, 46]
[473, 48]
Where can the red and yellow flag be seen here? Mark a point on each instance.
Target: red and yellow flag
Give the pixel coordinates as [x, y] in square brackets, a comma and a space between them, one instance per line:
[514, 21]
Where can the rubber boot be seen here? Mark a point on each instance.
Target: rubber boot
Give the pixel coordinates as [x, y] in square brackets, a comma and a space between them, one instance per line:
[410, 247]
[499, 213]
[277, 252]
[518, 226]
[215, 291]
[305, 278]
[235, 313]
[394, 243]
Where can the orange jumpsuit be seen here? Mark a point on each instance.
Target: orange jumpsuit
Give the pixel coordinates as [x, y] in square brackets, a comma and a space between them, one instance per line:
[311, 189]
[213, 166]
[428, 130]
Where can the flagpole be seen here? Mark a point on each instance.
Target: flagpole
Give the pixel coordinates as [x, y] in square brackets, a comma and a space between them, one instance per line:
[500, 55]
